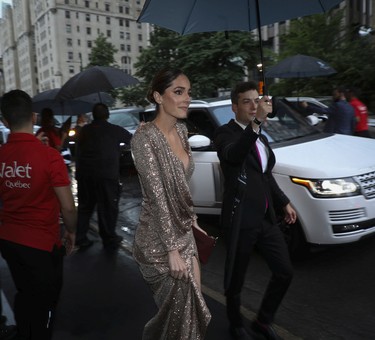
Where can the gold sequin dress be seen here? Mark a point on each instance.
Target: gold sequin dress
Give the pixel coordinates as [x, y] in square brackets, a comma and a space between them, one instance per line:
[166, 224]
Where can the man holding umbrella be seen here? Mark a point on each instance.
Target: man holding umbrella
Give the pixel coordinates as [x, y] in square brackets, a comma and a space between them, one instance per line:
[251, 197]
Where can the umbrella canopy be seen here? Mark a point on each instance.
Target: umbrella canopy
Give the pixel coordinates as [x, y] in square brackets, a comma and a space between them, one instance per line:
[300, 66]
[193, 16]
[95, 79]
[68, 107]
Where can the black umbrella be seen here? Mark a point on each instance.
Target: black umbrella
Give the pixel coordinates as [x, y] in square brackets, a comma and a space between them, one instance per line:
[96, 79]
[300, 66]
[68, 107]
[193, 16]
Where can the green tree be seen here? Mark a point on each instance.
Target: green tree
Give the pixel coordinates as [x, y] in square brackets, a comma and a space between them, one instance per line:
[325, 37]
[102, 53]
[212, 61]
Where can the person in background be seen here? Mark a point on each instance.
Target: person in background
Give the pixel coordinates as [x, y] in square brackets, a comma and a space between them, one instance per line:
[341, 117]
[97, 173]
[34, 191]
[164, 246]
[82, 120]
[48, 130]
[250, 201]
[361, 113]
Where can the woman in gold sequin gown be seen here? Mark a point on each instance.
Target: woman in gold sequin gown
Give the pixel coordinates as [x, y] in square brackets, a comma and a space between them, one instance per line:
[164, 245]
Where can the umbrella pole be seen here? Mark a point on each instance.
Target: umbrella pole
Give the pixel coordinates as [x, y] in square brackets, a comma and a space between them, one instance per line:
[261, 48]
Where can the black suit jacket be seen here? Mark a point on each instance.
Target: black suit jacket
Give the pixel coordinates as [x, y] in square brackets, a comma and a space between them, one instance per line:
[234, 146]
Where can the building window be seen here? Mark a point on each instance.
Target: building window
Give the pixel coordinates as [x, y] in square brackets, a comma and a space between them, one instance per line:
[121, 22]
[108, 20]
[127, 10]
[77, 15]
[122, 47]
[121, 9]
[79, 42]
[87, 4]
[70, 55]
[68, 28]
[122, 35]
[88, 18]
[78, 29]
[67, 14]
[88, 30]
[140, 38]
[66, 2]
[109, 33]
[89, 43]
[127, 24]
[140, 49]
[128, 48]
[69, 42]
[71, 69]
[127, 35]
[107, 7]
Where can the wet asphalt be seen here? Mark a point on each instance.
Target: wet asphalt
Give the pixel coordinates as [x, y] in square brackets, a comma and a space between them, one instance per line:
[104, 296]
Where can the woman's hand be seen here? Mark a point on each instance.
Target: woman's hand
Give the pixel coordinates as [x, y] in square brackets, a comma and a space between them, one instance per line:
[177, 265]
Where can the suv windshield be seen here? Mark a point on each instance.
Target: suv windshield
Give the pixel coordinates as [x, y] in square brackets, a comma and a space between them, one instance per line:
[286, 125]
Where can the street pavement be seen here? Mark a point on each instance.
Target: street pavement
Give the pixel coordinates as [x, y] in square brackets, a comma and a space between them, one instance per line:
[104, 296]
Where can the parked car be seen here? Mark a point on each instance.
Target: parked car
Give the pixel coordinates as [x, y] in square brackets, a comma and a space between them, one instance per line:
[329, 178]
[4, 132]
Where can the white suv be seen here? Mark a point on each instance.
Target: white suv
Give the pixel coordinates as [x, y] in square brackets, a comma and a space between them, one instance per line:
[329, 178]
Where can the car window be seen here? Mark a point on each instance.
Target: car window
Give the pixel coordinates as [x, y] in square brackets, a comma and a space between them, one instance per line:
[287, 124]
[127, 120]
[199, 122]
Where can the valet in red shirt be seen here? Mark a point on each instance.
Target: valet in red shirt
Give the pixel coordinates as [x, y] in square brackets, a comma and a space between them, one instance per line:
[27, 179]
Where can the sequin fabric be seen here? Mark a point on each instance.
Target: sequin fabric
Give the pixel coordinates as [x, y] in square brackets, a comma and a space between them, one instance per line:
[165, 224]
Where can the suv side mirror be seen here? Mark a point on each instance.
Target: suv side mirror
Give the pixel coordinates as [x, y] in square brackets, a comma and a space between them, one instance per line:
[199, 141]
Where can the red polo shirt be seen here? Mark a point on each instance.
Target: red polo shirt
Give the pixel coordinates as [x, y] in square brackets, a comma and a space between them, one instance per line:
[30, 209]
[361, 114]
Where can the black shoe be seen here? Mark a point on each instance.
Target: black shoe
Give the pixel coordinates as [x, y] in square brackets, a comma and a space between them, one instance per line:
[266, 330]
[239, 333]
[84, 244]
[7, 332]
[113, 242]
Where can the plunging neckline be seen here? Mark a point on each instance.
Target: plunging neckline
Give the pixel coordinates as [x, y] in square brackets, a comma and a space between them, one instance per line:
[185, 168]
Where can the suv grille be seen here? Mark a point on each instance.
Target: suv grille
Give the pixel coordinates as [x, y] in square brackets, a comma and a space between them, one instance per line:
[367, 182]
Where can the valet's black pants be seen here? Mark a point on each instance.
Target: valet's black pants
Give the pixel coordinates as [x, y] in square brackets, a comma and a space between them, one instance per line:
[103, 194]
[269, 240]
[38, 276]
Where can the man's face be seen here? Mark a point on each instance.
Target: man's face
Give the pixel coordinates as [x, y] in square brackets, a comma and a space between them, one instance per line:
[246, 107]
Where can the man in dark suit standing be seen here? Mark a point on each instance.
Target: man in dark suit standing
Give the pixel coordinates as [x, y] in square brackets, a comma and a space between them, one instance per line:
[251, 196]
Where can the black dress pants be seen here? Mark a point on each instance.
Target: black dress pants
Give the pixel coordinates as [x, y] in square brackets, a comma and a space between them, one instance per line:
[103, 194]
[271, 244]
[38, 277]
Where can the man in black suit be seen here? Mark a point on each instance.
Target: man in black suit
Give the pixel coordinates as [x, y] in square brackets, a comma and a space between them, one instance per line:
[251, 198]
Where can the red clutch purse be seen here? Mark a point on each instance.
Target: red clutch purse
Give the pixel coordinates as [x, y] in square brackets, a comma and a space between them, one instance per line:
[205, 244]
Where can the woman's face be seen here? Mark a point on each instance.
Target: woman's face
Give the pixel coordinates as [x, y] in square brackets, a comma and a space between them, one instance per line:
[176, 99]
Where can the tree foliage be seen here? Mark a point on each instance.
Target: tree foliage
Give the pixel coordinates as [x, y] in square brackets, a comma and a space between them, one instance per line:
[102, 53]
[325, 37]
[212, 61]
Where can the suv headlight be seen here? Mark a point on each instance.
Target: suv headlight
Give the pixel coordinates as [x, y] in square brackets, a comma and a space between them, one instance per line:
[328, 188]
